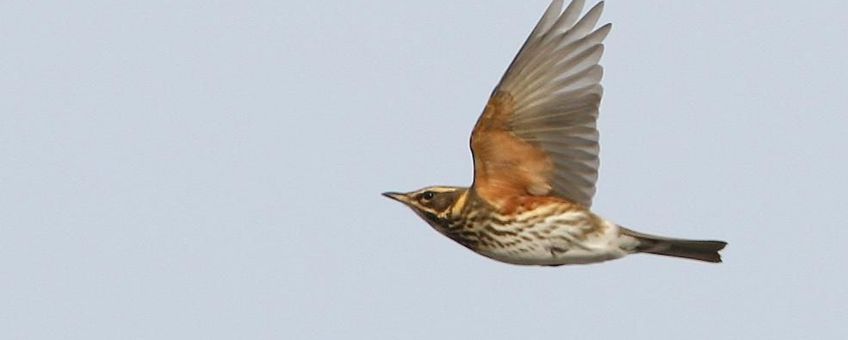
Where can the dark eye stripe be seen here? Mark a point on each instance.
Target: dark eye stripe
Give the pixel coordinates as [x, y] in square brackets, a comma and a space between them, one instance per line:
[427, 195]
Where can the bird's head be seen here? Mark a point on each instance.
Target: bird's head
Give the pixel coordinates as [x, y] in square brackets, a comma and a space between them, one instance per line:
[433, 204]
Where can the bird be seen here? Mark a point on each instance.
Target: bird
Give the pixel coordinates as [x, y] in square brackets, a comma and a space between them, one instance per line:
[536, 157]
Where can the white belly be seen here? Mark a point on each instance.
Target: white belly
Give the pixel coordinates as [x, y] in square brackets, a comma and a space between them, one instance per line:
[568, 238]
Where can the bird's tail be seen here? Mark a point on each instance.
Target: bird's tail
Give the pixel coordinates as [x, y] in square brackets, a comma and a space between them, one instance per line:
[691, 249]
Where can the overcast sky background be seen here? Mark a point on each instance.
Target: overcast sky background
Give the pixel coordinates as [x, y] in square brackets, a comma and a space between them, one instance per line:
[212, 170]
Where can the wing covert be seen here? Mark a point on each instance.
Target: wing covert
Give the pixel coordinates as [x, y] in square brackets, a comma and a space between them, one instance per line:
[537, 135]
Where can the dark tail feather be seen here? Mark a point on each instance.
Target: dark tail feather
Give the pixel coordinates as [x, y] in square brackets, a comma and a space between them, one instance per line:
[690, 249]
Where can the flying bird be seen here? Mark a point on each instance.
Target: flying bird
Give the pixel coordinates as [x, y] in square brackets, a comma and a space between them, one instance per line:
[535, 152]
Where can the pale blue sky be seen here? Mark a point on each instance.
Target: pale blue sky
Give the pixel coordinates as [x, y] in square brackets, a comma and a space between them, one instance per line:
[212, 170]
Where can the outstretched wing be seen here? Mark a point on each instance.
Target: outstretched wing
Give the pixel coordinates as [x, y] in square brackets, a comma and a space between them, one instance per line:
[537, 134]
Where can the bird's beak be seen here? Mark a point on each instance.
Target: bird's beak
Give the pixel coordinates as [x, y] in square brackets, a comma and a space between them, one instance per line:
[397, 196]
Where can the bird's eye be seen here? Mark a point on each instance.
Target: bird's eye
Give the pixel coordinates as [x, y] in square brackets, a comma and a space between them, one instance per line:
[427, 195]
